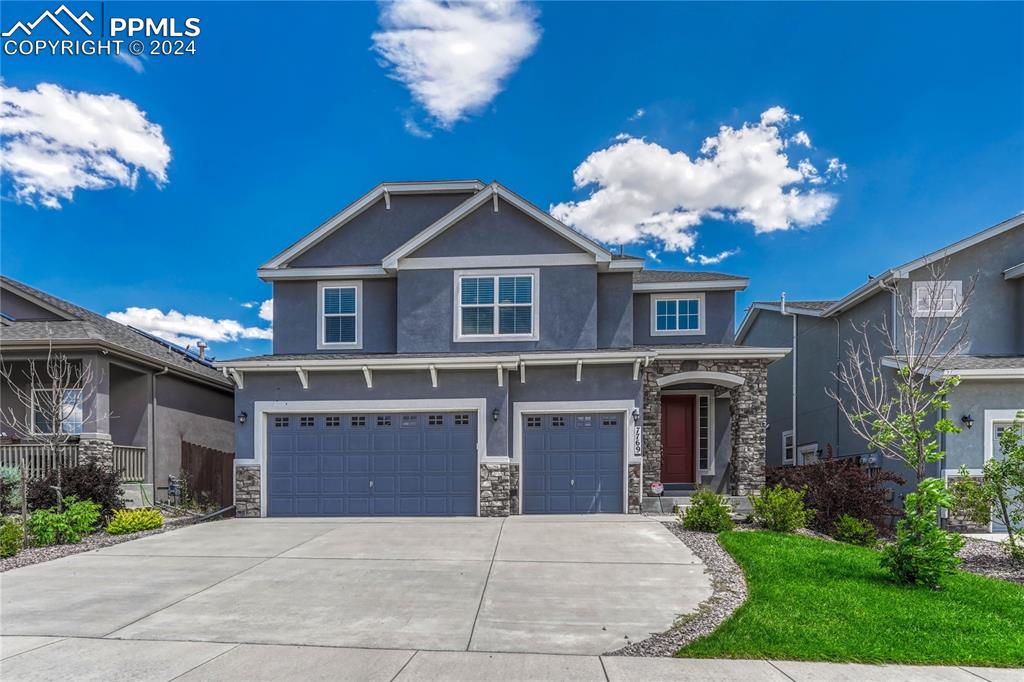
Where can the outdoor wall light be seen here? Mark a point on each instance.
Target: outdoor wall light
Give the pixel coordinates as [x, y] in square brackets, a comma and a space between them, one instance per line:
[494, 414]
[636, 413]
[242, 416]
[968, 420]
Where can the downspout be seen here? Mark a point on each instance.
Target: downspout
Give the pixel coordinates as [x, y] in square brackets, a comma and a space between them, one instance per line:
[782, 310]
[152, 421]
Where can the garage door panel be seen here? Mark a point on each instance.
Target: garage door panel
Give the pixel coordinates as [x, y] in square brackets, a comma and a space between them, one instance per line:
[572, 463]
[370, 464]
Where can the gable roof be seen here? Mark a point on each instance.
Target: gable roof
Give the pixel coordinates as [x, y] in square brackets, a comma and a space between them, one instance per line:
[383, 190]
[88, 328]
[653, 281]
[495, 191]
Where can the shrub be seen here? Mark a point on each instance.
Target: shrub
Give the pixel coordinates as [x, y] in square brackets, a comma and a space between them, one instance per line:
[923, 553]
[10, 538]
[780, 509]
[835, 487]
[50, 527]
[87, 481]
[708, 513]
[855, 531]
[134, 520]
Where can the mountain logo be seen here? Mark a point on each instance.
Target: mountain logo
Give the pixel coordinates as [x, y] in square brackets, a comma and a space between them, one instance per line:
[69, 16]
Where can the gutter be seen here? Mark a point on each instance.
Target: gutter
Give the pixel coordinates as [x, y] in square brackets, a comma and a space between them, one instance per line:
[782, 311]
[152, 422]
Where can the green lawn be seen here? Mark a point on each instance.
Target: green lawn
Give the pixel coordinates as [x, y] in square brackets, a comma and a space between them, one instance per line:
[822, 601]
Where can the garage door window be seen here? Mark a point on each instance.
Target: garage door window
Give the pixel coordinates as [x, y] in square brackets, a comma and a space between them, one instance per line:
[280, 422]
[332, 422]
[533, 422]
[462, 420]
[383, 420]
[307, 422]
[435, 420]
[358, 422]
[558, 422]
[409, 420]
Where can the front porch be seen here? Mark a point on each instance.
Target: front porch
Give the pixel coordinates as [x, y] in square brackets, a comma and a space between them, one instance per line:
[38, 460]
[704, 426]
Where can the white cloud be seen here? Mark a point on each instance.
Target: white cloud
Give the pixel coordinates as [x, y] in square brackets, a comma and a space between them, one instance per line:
[836, 169]
[800, 138]
[653, 255]
[185, 329]
[623, 136]
[638, 114]
[415, 129]
[641, 190]
[711, 260]
[267, 310]
[56, 141]
[131, 61]
[455, 56]
[248, 305]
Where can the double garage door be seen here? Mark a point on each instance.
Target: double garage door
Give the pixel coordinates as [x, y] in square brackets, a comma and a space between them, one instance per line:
[379, 464]
[425, 464]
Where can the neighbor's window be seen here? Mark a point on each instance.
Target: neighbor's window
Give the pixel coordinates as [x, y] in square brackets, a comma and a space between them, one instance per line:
[339, 315]
[49, 410]
[787, 447]
[937, 299]
[677, 314]
[500, 305]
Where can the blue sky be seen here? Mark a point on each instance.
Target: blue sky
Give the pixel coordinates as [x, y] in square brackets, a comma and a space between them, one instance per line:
[286, 114]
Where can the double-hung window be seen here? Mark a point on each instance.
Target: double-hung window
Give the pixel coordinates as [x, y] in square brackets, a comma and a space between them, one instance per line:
[53, 410]
[788, 448]
[340, 323]
[937, 298]
[677, 314]
[496, 306]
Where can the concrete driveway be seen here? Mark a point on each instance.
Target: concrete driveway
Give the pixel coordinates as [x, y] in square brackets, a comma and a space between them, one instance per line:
[555, 585]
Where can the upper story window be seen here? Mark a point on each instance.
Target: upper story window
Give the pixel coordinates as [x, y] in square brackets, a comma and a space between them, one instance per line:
[496, 305]
[677, 314]
[788, 448]
[937, 298]
[339, 322]
[51, 410]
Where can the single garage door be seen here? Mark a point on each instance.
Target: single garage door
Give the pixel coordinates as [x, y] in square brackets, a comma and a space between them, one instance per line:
[572, 463]
[380, 464]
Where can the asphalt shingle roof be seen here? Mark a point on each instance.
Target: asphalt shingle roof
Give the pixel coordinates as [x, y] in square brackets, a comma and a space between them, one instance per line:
[806, 305]
[92, 327]
[958, 362]
[652, 276]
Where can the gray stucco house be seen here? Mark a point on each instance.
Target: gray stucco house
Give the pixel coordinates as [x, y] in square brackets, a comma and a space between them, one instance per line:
[448, 348]
[146, 395]
[805, 423]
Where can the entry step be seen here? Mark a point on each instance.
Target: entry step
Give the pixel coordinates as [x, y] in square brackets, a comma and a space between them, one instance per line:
[671, 504]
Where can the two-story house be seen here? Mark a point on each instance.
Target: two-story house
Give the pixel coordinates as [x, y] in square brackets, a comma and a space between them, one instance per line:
[448, 348]
[805, 422]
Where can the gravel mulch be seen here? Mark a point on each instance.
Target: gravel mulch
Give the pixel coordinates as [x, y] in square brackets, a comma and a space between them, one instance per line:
[730, 591]
[37, 555]
[987, 558]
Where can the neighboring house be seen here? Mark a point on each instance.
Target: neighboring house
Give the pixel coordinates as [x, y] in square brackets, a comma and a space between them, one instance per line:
[992, 369]
[448, 348]
[146, 396]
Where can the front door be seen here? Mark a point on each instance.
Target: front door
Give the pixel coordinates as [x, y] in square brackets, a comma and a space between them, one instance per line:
[677, 439]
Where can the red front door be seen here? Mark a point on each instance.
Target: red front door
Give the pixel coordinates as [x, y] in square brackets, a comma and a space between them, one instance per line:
[677, 439]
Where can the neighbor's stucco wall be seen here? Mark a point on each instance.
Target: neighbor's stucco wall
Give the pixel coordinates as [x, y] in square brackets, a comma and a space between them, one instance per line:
[719, 321]
[130, 393]
[296, 309]
[772, 330]
[567, 298]
[378, 231]
[615, 310]
[967, 448]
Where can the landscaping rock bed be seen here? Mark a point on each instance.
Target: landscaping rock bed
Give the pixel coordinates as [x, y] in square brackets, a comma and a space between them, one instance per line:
[730, 591]
[36, 555]
[987, 558]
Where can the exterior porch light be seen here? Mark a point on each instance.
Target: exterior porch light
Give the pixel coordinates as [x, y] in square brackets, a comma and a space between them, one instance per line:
[242, 416]
[968, 421]
[494, 414]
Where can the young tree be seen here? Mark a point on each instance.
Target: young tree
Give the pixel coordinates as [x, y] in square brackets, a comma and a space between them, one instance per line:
[51, 395]
[900, 410]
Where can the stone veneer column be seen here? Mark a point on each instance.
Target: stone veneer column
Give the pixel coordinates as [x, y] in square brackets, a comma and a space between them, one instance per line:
[247, 491]
[513, 489]
[635, 490]
[494, 489]
[98, 448]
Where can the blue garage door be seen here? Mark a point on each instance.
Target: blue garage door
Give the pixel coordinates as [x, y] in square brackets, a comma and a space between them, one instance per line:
[572, 463]
[386, 464]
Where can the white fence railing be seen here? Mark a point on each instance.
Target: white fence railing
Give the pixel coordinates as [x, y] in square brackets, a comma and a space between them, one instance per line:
[38, 459]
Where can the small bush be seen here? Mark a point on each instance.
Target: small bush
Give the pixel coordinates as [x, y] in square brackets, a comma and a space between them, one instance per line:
[134, 520]
[50, 527]
[87, 481]
[855, 532]
[780, 509]
[923, 553]
[10, 538]
[10, 499]
[840, 486]
[708, 513]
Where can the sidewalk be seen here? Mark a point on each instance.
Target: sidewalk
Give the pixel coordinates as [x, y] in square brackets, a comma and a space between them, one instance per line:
[52, 658]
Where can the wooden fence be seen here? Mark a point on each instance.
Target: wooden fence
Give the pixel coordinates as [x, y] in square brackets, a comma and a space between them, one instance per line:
[210, 473]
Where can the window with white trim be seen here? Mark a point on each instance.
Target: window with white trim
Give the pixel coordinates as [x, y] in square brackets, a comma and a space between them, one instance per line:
[998, 428]
[50, 410]
[677, 314]
[703, 432]
[937, 298]
[492, 306]
[788, 449]
[808, 453]
[339, 308]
